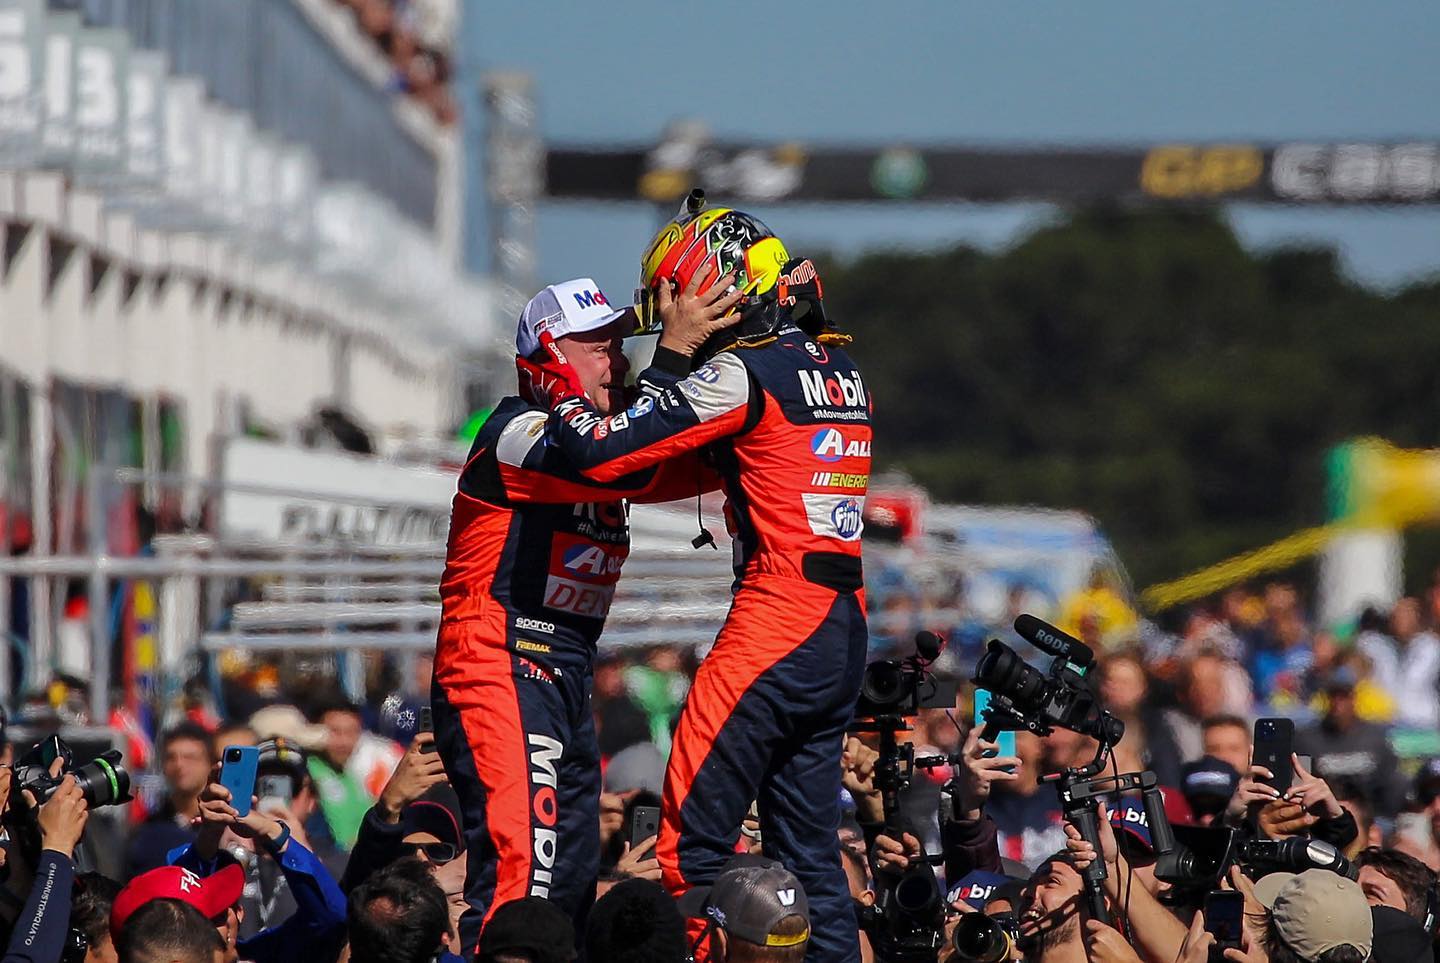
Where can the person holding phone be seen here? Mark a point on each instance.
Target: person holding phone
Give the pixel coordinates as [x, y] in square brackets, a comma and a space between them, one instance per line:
[316, 930]
[1345, 747]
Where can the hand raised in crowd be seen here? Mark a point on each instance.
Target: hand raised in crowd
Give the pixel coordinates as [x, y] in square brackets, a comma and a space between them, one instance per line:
[1197, 942]
[980, 772]
[1252, 791]
[419, 769]
[689, 318]
[1313, 793]
[1254, 917]
[892, 855]
[1084, 853]
[217, 815]
[857, 775]
[63, 817]
[612, 813]
[5, 772]
[1106, 945]
[640, 861]
[1281, 819]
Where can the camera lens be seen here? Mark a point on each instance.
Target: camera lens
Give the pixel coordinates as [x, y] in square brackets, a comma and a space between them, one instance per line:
[917, 894]
[103, 781]
[232, 755]
[980, 938]
[1003, 672]
[884, 684]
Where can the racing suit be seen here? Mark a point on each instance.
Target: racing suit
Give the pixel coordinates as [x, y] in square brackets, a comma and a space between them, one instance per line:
[534, 553]
[787, 424]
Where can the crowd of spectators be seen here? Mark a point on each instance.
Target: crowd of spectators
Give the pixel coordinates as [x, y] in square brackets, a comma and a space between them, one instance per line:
[415, 37]
[355, 839]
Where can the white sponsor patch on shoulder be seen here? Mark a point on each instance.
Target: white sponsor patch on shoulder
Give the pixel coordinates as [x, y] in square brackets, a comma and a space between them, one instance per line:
[519, 437]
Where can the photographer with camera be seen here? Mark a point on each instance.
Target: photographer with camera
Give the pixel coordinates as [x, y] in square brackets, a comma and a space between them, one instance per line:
[315, 931]
[1155, 929]
[41, 929]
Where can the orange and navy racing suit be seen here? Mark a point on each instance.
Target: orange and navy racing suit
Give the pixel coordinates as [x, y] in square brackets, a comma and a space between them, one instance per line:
[787, 425]
[534, 553]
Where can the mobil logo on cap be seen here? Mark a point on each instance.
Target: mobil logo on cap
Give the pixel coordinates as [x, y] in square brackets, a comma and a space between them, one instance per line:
[591, 299]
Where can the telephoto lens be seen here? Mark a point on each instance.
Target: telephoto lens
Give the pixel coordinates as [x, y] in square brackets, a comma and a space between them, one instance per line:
[1003, 672]
[103, 780]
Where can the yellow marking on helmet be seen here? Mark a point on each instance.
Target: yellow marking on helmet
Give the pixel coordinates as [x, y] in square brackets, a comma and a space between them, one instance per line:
[764, 261]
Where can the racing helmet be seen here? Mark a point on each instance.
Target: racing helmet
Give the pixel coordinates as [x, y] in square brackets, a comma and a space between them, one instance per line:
[709, 243]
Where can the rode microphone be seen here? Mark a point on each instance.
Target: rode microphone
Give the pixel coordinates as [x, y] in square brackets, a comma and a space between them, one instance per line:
[1047, 638]
[928, 645]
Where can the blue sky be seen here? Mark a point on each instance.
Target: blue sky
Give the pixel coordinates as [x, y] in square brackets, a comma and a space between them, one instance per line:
[1117, 71]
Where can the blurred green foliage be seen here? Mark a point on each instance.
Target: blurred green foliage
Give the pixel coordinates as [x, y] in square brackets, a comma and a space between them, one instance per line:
[1142, 366]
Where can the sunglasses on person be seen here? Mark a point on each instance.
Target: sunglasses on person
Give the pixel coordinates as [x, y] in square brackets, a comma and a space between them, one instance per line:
[437, 853]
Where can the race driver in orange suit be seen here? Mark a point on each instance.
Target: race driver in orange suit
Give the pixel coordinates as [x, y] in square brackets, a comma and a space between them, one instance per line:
[782, 413]
[534, 553]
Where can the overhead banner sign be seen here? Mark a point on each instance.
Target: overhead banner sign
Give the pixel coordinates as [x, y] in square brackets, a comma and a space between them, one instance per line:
[1297, 173]
[296, 495]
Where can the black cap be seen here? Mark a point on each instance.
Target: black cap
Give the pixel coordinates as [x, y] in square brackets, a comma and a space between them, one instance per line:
[1398, 937]
[531, 925]
[437, 812]
[1208, 783]
[636, 922]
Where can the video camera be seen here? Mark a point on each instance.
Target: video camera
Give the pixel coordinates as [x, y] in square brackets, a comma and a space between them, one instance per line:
[1200, 857]
[907, 922]
[1025, 698]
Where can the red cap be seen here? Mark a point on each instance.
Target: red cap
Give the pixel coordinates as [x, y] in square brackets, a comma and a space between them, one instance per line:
[211, 895]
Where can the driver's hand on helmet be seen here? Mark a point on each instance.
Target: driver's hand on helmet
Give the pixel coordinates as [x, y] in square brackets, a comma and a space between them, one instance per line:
[688, 317]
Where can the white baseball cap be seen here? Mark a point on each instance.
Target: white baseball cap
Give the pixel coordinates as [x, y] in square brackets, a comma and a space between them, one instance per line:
[570, 307]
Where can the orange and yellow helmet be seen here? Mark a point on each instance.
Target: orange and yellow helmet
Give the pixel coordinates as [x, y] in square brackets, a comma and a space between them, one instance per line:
[710, 243]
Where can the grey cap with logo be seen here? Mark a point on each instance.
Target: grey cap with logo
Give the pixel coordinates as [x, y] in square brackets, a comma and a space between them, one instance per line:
[749, 899]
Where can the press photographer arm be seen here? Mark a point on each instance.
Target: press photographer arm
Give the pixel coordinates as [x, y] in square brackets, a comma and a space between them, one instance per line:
[41, 928]
[318, 925]
[1154, 929]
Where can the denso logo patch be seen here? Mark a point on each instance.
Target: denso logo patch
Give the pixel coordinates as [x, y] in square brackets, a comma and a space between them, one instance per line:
[829, 444]
[583, 574]
[836, 389]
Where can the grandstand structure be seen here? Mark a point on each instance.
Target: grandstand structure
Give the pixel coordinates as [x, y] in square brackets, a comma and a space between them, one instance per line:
[219, 220]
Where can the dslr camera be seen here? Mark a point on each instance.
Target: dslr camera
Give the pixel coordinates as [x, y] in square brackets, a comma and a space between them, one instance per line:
[103, 780]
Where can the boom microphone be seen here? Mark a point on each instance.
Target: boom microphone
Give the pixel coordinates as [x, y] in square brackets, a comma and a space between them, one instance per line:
[928, 645]
[1047, 638]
